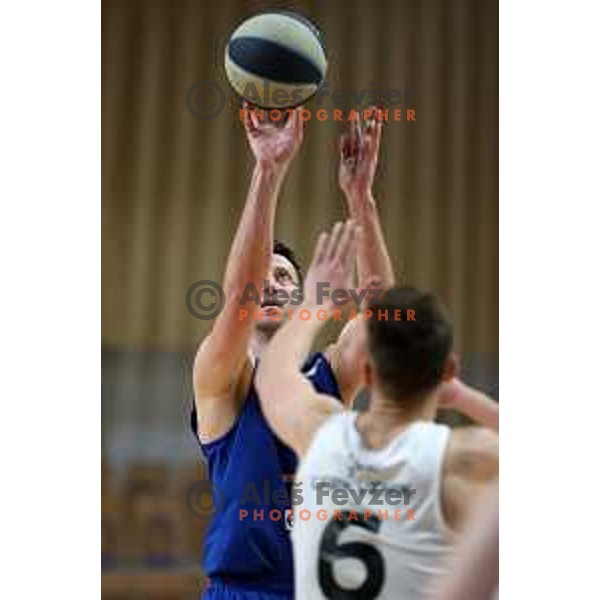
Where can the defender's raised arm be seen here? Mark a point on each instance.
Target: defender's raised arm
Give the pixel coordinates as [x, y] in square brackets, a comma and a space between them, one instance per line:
[359, 155]
[291, 405]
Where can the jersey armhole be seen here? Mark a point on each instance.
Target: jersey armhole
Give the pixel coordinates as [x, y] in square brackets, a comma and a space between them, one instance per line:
[330, 374]
[216, 442]
[438, 489]
[223, 439]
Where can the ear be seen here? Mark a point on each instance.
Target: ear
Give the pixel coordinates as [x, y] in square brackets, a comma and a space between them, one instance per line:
[368, 373]
[451, 368]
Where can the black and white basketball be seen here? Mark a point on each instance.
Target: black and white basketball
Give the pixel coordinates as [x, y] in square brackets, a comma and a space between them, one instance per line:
[276, 60]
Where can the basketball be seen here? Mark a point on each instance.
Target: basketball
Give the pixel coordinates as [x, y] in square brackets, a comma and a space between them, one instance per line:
[276, 60]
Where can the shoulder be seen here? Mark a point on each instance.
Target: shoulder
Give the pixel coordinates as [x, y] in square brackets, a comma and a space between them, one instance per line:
[344, 356]
[473, 453]
[318, 369]
[315, 360]
[470, 467]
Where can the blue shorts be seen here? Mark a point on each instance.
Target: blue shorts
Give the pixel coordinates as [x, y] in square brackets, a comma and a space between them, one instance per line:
[227, 591]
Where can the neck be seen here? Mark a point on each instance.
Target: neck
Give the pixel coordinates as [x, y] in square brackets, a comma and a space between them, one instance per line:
[421, 408]
[386, 418]
[259, 340]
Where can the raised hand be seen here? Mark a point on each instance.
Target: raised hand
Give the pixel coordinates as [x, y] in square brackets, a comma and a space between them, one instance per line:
[332, 264]
[359, 150]
[273, 144]
[450, 393]
[469, 401]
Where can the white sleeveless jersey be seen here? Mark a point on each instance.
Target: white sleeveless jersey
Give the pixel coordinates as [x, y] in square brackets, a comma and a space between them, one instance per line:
[368, 523]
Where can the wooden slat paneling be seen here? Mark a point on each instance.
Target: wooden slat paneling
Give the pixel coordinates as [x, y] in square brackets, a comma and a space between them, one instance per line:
[174, 185]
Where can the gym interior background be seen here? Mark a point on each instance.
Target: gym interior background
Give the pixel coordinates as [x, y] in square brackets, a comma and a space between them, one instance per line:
[173, 186]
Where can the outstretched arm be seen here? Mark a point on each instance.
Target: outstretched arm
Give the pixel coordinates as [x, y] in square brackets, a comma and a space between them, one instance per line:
[359, 153]
[289, 402]
[222, 358]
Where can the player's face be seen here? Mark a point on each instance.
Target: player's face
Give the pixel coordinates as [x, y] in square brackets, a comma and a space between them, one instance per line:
[278, 297]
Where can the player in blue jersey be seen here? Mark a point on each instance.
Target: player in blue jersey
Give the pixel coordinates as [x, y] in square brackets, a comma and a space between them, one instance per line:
[247, 554]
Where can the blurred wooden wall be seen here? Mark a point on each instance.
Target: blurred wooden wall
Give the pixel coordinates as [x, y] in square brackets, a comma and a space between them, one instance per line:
[174, 185]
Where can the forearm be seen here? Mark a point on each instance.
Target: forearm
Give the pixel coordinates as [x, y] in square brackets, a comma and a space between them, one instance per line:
[291, 345]
[279, 379]
[474, 404]
[290, 403]
[372, 257]
[250, 252]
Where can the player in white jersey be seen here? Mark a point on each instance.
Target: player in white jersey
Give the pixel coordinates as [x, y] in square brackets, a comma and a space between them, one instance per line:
[379, 494]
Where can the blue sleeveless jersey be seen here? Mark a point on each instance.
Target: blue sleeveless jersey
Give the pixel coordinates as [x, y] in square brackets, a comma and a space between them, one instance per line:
[253, 471]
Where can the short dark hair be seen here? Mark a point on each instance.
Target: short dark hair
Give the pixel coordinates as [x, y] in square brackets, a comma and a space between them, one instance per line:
[409, 357]
[284, 250]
